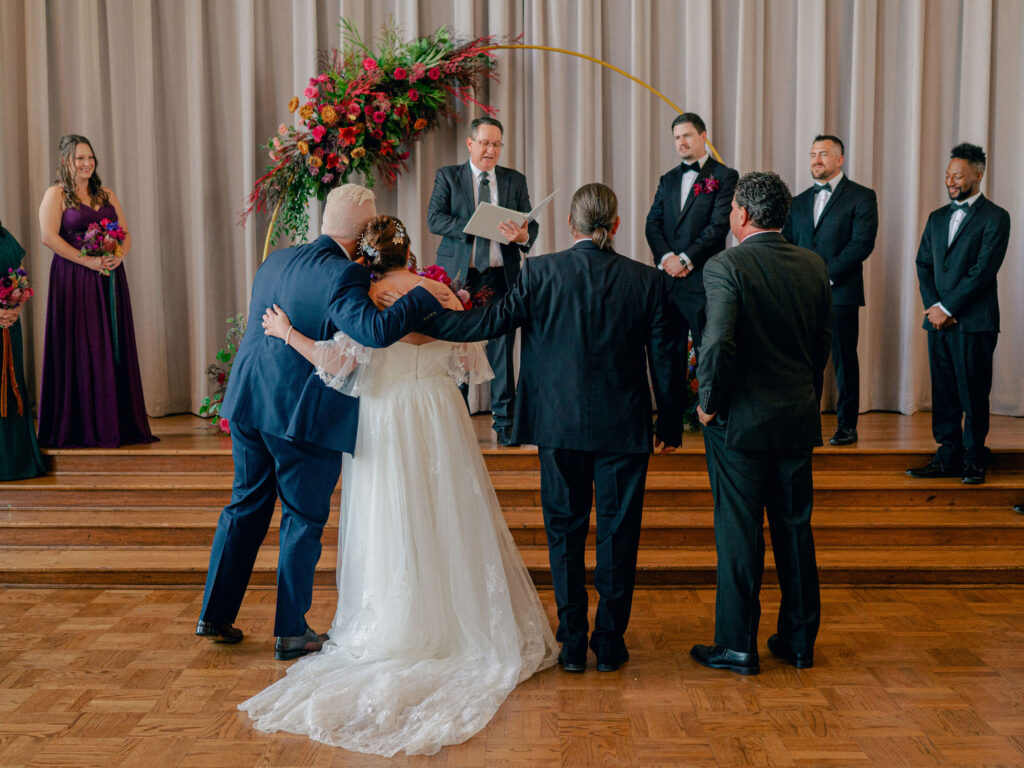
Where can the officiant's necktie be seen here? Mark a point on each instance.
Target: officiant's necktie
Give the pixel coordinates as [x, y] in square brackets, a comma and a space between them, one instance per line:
[482, 254]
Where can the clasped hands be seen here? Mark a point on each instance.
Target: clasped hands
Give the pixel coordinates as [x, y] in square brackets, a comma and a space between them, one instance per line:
[675, 267]
[939, 319]
[9, 317]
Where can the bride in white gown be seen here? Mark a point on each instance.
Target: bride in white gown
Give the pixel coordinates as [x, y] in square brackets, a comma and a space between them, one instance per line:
[437, 618]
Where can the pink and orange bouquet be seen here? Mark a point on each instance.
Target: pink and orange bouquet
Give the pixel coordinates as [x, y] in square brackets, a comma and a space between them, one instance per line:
[14, 290]
[363, 113]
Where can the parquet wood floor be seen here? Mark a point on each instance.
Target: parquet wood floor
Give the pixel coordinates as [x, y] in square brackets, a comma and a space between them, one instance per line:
[903, 677]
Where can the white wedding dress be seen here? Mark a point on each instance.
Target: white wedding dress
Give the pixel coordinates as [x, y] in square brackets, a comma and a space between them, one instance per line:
[437, 617]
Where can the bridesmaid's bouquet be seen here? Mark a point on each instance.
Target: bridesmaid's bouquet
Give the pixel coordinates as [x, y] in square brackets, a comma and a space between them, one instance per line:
[14, 290]
[104, 236]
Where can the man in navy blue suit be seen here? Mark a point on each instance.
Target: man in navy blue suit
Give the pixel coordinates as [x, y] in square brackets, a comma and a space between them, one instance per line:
[480, 263]
[288, 429]
[962, 248]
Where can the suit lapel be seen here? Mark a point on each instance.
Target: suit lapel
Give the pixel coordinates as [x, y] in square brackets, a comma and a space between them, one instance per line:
[705, 171]
[503, 184]
[971, 212]
[840, 188]
[465, 181]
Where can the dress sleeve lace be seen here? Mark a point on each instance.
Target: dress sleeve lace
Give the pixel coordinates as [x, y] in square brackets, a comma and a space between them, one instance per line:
[467, 363]
[340, 363]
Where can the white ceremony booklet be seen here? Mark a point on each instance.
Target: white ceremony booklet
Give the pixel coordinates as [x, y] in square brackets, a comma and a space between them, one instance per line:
[487, 217]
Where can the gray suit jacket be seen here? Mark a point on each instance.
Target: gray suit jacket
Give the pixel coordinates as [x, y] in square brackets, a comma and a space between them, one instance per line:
[766, 342]
[451, 206]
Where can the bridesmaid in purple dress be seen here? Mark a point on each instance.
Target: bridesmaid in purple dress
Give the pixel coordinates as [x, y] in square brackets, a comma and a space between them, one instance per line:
[91, 388]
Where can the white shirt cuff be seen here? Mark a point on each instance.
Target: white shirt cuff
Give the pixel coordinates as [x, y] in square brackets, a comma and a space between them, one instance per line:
[661, 264]
[948, 313]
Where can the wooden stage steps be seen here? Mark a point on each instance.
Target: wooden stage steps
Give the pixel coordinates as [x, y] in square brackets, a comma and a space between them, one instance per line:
[145, 515]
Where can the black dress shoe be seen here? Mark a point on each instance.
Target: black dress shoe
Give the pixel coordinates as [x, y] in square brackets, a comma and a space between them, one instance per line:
[1019, 509]
[780, 649]
[572, 664]
[221, 633]
[611, 662]
[844, 436]
[287, 648]
[973, 474]
[718, 657]
[934, 468]
[503, 438]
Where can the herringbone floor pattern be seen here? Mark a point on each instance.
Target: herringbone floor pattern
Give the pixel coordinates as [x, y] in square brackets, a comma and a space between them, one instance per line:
[903, 677]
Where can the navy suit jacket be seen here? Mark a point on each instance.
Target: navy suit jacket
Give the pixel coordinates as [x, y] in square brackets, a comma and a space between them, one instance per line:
[698, 228]
[962, 275]
[766, 342]
[272, 387]
[451, 206]
[591, 320]
[844, 236]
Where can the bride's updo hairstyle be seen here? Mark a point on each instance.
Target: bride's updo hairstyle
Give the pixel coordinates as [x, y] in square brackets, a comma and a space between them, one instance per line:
[593, 213]
[385, 244]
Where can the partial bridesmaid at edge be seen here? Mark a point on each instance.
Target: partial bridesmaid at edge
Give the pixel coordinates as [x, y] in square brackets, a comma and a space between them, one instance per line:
[19, 452]
[91, 393]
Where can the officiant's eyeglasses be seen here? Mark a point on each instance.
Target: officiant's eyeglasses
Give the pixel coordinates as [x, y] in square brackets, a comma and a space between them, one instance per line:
[488, 144]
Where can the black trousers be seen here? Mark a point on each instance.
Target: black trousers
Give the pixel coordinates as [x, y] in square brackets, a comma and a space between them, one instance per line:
[961, 371]
[845, 330]
[499, 351]
[569, 480]
[745, 485]
[687, 310]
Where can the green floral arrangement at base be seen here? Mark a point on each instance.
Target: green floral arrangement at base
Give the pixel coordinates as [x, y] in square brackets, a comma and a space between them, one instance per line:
[219, 372]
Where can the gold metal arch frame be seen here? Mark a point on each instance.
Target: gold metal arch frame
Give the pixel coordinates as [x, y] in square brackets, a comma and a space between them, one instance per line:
[612, 67]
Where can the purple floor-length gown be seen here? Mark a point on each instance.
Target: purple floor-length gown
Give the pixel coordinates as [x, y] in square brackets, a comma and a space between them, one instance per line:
[88, 398]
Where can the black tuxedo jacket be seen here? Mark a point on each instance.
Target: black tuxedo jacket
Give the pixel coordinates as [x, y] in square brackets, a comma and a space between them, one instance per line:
[699, 227]
[591, 320]
[962, 276]
[766, 342]
[844, 236]
[451, 206]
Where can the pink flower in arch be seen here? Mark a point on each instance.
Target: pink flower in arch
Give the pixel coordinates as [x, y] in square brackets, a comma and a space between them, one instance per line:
[369, 64]
[400, 73]
[311, 92]
[414, 95]
[434, 73]
[318, 133]
[379, 117]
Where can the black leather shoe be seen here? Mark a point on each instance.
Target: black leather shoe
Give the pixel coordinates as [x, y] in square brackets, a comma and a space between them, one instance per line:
[611, 662]
[844, 436]
[718, 657]
[934, 468]
[502, 436]
[571, 664]
[1019, 509]
[780, 649]
[221, 633]
[287, 648]
[973, 474]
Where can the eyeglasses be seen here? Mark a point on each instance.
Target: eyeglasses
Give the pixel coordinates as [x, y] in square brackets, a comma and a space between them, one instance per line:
[488, 144]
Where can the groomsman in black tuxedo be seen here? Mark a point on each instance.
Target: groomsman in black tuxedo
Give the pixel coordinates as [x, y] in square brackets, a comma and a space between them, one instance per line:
[762, 360]
[838, 220]
[962, 248]
[689, 223]
[480, 263]
[592, 320]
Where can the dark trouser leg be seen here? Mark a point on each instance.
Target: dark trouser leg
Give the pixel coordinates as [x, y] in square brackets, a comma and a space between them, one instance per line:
[500, 356]
[241, 528]
[845, 328]
[972, 360]
[739, 482]
[566, 483]
[306, 476]
[946, 410]
[619, 481]
[790, 501]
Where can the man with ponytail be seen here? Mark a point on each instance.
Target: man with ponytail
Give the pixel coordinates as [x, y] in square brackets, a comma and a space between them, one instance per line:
[603, 318]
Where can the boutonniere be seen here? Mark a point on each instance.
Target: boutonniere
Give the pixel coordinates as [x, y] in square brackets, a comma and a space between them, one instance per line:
[709, 185]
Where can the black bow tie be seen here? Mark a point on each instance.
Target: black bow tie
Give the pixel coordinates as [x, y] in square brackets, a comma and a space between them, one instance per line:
[826, 187]
[959, 207]
[695, 167]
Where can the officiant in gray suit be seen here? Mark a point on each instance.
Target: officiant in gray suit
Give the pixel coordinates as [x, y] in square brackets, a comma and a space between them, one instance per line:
[479, 263]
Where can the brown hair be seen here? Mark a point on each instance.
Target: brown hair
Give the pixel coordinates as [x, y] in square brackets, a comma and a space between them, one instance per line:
[385, 244]
[66, 172]
[593, 212]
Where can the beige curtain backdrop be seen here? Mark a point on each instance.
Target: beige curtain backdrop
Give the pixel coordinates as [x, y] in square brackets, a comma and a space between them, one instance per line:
[176, 95]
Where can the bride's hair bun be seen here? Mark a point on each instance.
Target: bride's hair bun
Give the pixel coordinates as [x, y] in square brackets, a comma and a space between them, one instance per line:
[385, 244]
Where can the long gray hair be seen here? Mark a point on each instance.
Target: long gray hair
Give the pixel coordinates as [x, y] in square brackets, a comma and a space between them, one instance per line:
[593, 212]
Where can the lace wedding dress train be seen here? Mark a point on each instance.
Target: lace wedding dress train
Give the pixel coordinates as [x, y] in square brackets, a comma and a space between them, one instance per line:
[437, 617]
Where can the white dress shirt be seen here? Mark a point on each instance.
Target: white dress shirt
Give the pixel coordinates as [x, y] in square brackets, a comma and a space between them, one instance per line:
[492, 180]
[954, 224]
[821, 198]
[687, 184]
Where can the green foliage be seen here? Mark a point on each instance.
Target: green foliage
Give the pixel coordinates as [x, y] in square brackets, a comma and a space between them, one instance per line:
[219, 372]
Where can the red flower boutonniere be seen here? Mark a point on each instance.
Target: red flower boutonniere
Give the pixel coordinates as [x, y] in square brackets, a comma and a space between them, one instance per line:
[709, 185]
